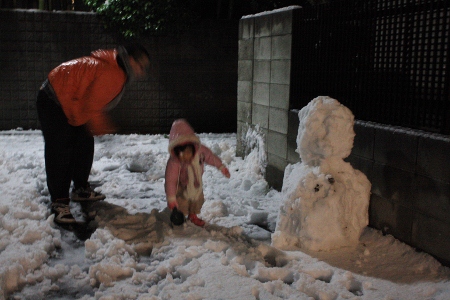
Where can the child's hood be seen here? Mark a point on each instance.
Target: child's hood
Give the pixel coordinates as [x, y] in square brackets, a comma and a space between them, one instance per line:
[182, 133]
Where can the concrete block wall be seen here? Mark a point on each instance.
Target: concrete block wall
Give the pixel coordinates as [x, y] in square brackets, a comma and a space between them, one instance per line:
[410, 184]
[193, 76]
[264, 78]
[32, 42]
[408, 169]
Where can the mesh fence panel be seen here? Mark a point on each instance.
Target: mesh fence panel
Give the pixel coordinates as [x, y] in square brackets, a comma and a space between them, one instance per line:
[386, 60]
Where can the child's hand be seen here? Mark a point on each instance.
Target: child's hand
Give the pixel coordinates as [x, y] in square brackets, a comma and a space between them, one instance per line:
[172, 205]
[225, 172]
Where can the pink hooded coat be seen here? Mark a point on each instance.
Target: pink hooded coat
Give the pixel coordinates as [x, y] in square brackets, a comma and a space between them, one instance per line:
[177, 173]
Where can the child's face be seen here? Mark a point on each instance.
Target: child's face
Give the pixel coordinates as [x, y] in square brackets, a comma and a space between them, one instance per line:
[186, 155]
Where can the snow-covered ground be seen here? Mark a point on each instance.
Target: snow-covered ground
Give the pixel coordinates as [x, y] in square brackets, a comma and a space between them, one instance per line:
[135, 254]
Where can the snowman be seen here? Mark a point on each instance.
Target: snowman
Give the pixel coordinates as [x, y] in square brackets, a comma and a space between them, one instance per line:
[325, 200]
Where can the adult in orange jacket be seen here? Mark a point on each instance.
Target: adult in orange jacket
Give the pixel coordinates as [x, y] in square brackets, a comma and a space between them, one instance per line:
[73, 105]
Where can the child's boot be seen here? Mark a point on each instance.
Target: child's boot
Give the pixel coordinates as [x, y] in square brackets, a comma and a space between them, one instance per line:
[196, 220]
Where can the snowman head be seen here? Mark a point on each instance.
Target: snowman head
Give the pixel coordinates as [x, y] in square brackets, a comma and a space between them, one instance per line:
[325, 130]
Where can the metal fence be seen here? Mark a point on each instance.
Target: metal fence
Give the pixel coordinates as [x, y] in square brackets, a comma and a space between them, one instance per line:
[387, 60]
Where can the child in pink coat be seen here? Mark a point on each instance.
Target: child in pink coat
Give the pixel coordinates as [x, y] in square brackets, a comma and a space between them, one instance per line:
[183, 179]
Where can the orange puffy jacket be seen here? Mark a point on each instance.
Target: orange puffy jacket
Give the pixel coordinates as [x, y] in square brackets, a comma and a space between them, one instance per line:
[84, 87]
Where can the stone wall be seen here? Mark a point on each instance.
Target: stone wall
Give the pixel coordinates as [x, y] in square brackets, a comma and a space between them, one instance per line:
[193, 76]
[407, 168]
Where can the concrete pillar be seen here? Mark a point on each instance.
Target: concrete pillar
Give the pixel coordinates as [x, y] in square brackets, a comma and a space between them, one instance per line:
[264, 85]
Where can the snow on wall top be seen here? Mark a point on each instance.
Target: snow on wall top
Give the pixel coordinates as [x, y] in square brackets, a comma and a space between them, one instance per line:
[272, 11]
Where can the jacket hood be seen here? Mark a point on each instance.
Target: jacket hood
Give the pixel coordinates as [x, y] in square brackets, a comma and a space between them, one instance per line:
[182, 133]
[124, 59]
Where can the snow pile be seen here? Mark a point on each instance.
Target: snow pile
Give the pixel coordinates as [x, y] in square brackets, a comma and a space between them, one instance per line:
[255, 152]
[26, 237]
[326, 200]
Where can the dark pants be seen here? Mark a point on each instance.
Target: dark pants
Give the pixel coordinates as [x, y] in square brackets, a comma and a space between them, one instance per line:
[69, 150]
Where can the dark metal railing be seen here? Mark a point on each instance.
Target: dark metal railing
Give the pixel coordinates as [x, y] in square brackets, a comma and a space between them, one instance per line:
[387, 60]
